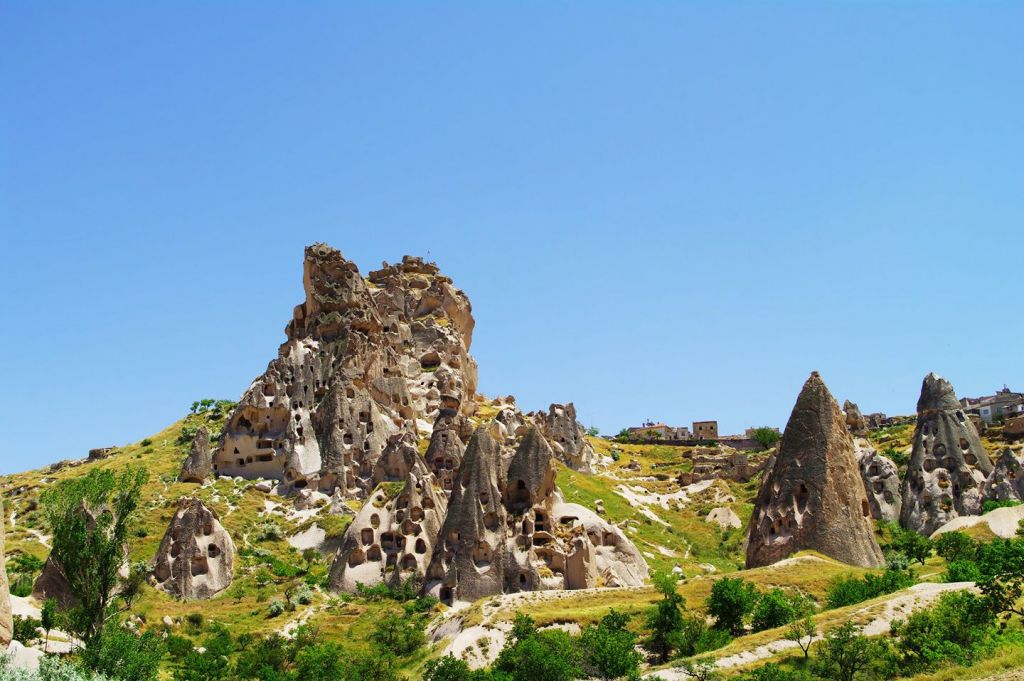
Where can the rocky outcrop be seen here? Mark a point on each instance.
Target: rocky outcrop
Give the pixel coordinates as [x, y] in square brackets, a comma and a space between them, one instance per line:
[882, 483]
[855, 421]
[196, 558]
[52, 583]
[724, 517]
[813, 497]
[391, 540]
[6, 620]
[948, 465]
[567, 436]
[199, 465]
[364, 359]
[444, 453]
[1006, 481]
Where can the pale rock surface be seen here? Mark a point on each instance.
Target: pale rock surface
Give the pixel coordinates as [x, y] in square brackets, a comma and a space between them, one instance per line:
[882, 483]
[566, 435]
[724, 517]
[1006, 481]
[1003, 522]
[198, 467]
[813, 496]
[196, 558]
[948, 464]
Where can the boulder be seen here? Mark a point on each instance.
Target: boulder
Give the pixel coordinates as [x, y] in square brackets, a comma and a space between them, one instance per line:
[882, 484]
[198, 466]
[724, 517]
[1006, 481]
[813, 497]
[855, 421]
[196, 558]
[948, 465]
[6, 619]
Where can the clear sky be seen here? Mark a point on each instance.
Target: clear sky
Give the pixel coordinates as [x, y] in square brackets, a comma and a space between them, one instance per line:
[664, 210]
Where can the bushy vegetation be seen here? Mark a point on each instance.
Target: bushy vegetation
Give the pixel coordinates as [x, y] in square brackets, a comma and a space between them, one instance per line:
[850, 590]
[993, 504]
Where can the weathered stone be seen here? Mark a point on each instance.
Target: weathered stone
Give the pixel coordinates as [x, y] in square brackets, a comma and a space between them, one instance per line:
[198, 467]
[391, 540]
[444, 453]
[196, 558]
[567, 436]
[813, 497]
[1006, 481]
[855, 421]
[6, 620]
[724, 517]
[51, 583]
[948, 464]
[362, 362]
[882, 484]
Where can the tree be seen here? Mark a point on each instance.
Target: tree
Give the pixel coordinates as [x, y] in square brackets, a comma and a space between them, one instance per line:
[90, 518]
[702, 670]
[124, 655]
[48, 618]
[955, 546]
[666, 618]
[397, 633]
[802, 632]
[954, 629]
[609, 647]
[593, 431]
[773, 609]
[846, 653]
[766, 437]
[914, 546]
[731, 600]
[541, 656]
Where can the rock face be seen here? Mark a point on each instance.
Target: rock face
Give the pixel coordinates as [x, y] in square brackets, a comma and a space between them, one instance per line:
[364, 359]
[855, 421]
[199, 465]
[723, 517]
[196, 558]
[567, 436]
[51, 583]
[948, 465]
[1006, 481]
[882, 483]
[813, 497]
[6, 620]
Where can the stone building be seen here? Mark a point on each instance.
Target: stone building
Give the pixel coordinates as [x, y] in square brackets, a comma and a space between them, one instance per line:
[705, 430]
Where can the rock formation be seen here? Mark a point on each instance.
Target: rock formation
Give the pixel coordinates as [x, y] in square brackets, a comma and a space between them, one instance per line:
[364, 359]
[813, 497]
[513, 532]
[6, 620]
[196, 558]
[882, 483]
[724, 517]
[51, 583]
[948, 465]
[1006, 481]
[199, 465]
[391, 540]
[855, 421]
[567, 436]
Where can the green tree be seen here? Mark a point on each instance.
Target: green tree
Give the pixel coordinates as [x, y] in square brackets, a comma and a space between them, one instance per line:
[609, 647]
[541, 656]
[593, 431]
[773, 609]
[702, 670]
[846, 654]
[212, 664]
[322, 662]
[914, 546]
[124, 655]
[954, 629]
[90, 517]
[955, 546]
[766, 437]
[802, 632]
[731, 600]
[665, 619]
[397, 633]
[48, 618]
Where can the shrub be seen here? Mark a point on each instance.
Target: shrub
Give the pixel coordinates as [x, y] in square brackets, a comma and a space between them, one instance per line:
[609, 647]
[955, 630]
[124, 655]
[772, 672]
[731, 600]
[665, 619]
[993, 504]
[275, 608]
[532, 655]
[773, 609]
[397, 633]
[766, 437]
[914, 546]
[955, 546]
[146, 442]
[962, 571]
[850, 590]
[846, 653]
[195, 620]
[51, 668]
[268, 530]
[26, 629]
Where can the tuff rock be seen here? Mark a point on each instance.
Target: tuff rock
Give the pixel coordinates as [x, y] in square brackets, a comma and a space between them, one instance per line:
[855, 421]
[948, 465]
[1006, 481]
[6, 619]
[724, 517]
[196, 558]
[882, 484]
[567, 437]
[364, 360]
[198, 467]
[813, 497]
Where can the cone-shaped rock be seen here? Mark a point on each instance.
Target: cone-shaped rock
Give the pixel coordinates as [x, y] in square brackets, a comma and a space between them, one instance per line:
[813, 497]
[948, 465]
[1006, 481]
[6, 620]
[469, 561]
[444, 453]
[199, 464]
[196, 558]
[391, 539]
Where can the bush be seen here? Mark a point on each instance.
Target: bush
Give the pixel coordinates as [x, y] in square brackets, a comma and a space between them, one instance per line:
[267, 530]
[850, 590]
[955, 546]
[956, 629]
[993, 504]
[914, 546]
[665, 619]
[775, 608]
[772, 672]
[26, 629]
[846, 653]
[397, 633]
[731, 600]
[532, 655]
[124, 655]
[303, 595]
[766, 437]
[51, 668]
[610, 648]
[275, 608]
[962, 571]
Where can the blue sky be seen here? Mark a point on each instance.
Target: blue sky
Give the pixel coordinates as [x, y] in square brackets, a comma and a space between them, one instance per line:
[664, 210]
